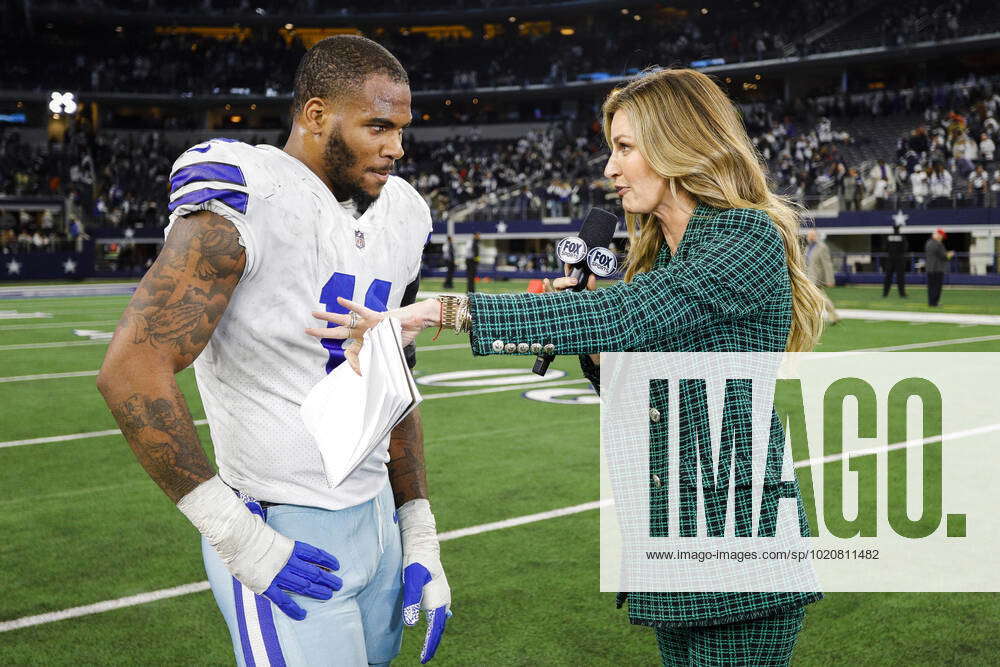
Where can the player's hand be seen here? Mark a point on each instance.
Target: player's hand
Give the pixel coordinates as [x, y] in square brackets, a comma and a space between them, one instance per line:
[262, 559]
[425, 585]
[307, 572]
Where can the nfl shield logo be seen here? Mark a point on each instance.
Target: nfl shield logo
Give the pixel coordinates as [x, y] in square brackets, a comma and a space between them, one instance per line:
[359, 238]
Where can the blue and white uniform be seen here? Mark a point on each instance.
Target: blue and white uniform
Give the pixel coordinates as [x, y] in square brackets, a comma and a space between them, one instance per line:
[303, 250]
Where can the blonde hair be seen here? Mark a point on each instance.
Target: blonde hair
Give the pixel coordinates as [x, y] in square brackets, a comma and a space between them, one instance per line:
[692, 135]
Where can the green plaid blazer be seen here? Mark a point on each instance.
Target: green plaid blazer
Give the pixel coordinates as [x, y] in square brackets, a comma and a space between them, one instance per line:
[726, 289]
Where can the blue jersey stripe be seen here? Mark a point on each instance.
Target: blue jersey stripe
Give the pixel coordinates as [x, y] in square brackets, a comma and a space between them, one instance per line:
[269, 633]
[206, 171]
[241, 622]
[232, 198]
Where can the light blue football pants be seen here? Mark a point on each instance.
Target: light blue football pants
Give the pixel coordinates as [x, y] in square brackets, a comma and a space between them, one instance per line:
[360, 625]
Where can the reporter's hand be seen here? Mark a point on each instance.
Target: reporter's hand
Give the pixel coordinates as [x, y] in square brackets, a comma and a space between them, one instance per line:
[560, 284]
[413, 319]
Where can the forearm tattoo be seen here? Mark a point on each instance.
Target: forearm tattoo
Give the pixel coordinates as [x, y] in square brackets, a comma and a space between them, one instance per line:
[162, 435]
[165, 327]
[407, 474]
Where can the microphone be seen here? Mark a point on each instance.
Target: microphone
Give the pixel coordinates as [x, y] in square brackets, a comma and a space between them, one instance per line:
[588, 255]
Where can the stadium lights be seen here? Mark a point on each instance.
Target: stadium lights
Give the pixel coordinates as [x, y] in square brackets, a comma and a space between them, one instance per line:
[289, 26]
[637, 17]
[567, 31]
[447, 103]
[62, 103]
[119, 29]
[757, 76]
[475, 100]
[704, 10]
[624, 11]
[512, 19]
[253, 107]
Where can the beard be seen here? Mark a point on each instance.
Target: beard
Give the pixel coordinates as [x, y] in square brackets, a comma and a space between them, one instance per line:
[338, 162]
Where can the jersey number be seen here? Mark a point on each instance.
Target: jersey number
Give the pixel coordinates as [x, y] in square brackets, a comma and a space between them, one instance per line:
[342, 284]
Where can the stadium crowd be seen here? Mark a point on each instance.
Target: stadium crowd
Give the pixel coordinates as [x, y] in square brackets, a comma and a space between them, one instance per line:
[283, 7]
[946, 157]
[142, 61]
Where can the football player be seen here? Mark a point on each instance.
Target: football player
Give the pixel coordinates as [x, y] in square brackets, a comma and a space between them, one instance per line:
[258, 238]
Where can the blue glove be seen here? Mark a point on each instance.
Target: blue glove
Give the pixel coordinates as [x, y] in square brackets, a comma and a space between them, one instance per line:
[424, 584]
[306, 573]
[415, 577]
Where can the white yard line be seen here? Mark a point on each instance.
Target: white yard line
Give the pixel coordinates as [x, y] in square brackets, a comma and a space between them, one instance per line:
[17, 315]
[44, 346]
[56, 325]
[73, 436]
[201, 422]
[956, 435]
[491, 390]
[107, 605]
[907, 346]
[914, 316]
[48, 376]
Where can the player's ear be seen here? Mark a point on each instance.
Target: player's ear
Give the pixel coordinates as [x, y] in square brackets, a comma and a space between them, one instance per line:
[314, 115]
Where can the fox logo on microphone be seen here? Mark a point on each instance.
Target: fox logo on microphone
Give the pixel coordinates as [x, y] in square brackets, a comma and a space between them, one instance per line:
[571, 250]
[602, 262]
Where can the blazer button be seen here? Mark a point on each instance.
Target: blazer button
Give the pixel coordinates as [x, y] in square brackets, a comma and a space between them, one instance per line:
[498, 346]
[511, 348]
[522, 348]
[654, 415]
[549, 349]
[536, 348]
[656, 481]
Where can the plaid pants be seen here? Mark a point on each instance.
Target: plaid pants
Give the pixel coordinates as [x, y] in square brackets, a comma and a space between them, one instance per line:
[764, 642]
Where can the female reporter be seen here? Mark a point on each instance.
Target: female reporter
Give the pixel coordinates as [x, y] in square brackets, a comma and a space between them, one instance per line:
[714, 266]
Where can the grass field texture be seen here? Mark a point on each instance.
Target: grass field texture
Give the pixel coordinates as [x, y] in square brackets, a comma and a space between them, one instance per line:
[82, 523]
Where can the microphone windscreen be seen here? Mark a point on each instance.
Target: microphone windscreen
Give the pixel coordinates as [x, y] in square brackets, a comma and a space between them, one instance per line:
[598, 228]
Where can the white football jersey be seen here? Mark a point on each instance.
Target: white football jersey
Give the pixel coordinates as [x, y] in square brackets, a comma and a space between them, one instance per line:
[303, 250]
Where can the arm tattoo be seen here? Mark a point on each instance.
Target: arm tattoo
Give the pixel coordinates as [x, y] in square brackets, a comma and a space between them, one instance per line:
[407, 474]
[181, 298]
[166, 325]
[164, 439]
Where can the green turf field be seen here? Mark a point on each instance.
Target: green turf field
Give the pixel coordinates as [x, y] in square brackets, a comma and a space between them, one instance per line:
[82, 524]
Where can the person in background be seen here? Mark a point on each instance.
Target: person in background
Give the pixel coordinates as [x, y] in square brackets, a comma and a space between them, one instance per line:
[819, 267]
[895, 263]
[472, 263]
[449, 262]
[937, 263]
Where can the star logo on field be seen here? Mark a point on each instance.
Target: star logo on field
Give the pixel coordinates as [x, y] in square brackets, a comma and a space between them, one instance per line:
[129, 233]
[69, 266]
[501, 228]
[899, 218]
[13, 268]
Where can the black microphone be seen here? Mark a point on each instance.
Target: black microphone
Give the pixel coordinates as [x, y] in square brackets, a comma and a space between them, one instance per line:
[588, 255]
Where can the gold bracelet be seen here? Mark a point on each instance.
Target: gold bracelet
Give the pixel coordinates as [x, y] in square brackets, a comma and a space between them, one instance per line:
[451, 311]
[463, 322]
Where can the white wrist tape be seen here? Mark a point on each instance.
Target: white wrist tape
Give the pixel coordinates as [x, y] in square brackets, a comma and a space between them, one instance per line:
[253, 551]
[418, 534]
